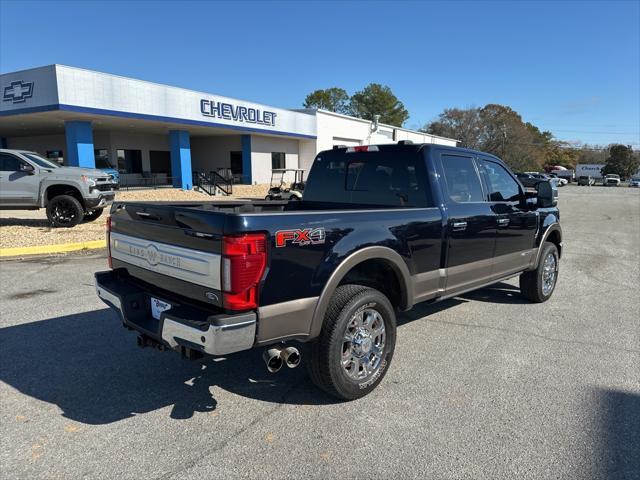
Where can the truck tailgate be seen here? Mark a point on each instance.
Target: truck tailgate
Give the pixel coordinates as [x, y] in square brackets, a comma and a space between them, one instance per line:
[187, 259]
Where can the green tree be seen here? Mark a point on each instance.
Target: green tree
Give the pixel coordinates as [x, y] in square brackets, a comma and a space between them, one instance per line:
[621, 161]
[333, 99]
[465, 125]
[561, 153]
[376, 99]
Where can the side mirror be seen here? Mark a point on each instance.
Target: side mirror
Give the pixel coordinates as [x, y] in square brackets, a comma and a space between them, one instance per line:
[547, 194]
[25, 167]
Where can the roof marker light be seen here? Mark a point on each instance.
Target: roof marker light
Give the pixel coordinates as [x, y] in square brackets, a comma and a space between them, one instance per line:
[363, 148]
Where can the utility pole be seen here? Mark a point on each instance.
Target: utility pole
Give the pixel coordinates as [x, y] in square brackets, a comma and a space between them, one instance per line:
[504, 139]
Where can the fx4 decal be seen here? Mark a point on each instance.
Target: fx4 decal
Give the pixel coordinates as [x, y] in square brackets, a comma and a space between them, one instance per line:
[306, 236]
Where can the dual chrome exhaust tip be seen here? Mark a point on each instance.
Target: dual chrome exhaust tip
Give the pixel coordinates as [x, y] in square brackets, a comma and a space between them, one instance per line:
[275, 357]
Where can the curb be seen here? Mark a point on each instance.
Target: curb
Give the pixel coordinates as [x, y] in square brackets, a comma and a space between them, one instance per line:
[51, 249]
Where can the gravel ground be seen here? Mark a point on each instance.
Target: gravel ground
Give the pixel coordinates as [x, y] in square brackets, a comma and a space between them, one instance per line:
[27, 228]
[483, 386]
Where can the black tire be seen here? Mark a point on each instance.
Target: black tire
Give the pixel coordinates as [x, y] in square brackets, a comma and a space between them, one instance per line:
[65, 211]
[325, 353]
[93, 215]
[532, 284]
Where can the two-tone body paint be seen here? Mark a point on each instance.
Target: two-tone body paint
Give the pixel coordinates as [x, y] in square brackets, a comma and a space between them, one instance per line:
[436, 261]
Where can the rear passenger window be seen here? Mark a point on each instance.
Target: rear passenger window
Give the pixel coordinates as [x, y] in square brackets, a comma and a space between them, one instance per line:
[502, 186]
[463, 182]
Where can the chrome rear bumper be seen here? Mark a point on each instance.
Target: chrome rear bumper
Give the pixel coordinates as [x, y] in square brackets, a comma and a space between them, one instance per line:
[211, 334]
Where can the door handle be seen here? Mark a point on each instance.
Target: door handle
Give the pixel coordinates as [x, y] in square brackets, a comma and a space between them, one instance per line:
[503, 222]
[458, 226]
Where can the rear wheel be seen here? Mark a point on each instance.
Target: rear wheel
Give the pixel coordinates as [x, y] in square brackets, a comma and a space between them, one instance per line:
[93, 215]
[538, 285]
[65, 211]
[354, 350]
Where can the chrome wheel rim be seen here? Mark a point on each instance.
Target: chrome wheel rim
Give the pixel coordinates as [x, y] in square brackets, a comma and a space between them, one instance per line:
[363, 344]
[549, 273]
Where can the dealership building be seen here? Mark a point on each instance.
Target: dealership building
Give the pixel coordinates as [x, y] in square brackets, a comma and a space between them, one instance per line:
[85, 118]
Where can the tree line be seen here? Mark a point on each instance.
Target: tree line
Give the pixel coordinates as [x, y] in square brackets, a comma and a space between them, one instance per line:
[496, 129]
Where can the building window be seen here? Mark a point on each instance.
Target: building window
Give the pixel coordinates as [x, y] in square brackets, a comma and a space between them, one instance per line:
[55, 156]
[236, 163]
[102, 158]
[278, 160]
[129, 161]
[160, 162]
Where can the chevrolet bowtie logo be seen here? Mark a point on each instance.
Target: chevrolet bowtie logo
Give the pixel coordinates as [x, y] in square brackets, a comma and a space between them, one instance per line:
[18, 92]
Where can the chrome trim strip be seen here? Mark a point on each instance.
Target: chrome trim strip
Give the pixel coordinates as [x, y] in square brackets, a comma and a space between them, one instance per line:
[551, 228]
[217, 339]
[109, 297]
[194, 266]
[286, 320]
[477, 287]
[378, 253]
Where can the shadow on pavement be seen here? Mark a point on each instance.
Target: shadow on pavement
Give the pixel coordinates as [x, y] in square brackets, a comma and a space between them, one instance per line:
[25, 222]
[498, 293]
[619, 420]
[90, 367]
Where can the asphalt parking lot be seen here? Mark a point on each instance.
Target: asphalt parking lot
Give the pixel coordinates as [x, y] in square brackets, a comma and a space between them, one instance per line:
[481, 386]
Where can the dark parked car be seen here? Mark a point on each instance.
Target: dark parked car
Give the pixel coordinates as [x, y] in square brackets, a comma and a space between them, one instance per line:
[585, 180]
[379, 229]
[529, 180]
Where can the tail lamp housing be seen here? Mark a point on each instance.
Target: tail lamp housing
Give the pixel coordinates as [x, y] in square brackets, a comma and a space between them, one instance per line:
[244, 260]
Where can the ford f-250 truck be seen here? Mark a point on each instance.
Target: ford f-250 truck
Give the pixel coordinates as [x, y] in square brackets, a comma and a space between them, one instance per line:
[379, 229]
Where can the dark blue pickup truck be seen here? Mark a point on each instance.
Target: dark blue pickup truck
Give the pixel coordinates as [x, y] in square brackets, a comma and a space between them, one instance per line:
[380, 228]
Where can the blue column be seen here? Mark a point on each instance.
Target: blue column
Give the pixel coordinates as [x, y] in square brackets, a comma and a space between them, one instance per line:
[246, 160]
[180, 159]
[3, 142]
[79, 145]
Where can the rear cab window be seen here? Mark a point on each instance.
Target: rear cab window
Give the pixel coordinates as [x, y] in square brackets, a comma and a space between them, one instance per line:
[389, 177]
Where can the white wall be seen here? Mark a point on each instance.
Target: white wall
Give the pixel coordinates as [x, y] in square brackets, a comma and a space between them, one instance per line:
[336, 129]
[307, 150]
[261, 149]
[210, 153]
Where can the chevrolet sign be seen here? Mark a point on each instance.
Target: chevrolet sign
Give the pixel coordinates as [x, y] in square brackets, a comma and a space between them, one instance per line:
[17, 92]
[237, 113]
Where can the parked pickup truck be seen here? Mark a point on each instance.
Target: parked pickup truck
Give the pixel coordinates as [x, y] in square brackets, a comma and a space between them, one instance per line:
[69, 194]
[611, 180]
[379, 229]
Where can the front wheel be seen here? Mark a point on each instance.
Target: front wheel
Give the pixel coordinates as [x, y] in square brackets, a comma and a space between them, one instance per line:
[93, 215]
[65, 211]
[354, 350]
[538, 285]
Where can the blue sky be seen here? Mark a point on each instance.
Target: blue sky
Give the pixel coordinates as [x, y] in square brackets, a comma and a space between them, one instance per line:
[569, 67]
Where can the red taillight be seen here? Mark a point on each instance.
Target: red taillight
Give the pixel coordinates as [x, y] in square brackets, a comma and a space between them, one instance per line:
[244, 259]
[109, 260]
